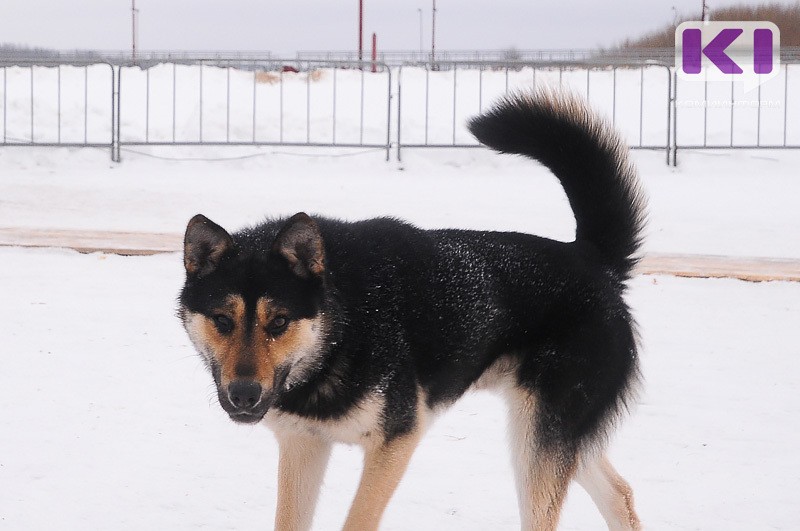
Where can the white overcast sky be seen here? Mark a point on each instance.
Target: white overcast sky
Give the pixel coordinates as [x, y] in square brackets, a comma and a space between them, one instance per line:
[288, 26]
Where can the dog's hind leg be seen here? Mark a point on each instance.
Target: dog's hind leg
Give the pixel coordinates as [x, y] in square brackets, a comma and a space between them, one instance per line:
[610, 492]
[543, 471]
[384, 466]
[301, 467]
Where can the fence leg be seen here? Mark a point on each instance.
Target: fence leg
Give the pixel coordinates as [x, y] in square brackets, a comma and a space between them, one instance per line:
[116, 74]
[389, 116]
[675, 122]
[399, 110]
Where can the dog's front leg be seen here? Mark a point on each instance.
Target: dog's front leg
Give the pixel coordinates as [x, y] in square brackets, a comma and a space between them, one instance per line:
[384, 465]
[303, 459]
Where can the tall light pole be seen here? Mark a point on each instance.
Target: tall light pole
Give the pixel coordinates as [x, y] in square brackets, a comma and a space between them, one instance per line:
[420, 30]
[134, 28]
[433, 33]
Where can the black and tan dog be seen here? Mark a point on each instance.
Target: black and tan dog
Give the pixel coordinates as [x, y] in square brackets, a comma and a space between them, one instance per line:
[360, 332]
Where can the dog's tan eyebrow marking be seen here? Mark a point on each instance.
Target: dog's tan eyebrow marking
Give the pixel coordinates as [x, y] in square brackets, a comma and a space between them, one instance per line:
[234, 306]
[266, 311]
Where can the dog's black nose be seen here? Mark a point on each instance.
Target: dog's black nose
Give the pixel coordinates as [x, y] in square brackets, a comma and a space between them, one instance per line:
[244, 394]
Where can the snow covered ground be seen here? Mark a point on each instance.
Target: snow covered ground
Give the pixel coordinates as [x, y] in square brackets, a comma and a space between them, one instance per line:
[726, 203]
[109, 421]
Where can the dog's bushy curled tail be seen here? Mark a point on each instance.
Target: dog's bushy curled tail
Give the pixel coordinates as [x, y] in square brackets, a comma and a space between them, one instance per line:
[586, 155]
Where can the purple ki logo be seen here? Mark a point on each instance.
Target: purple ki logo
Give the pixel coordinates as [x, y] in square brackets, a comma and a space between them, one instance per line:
[693, 51]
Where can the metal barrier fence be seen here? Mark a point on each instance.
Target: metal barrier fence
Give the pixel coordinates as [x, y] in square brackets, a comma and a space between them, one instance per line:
[52, 104]
[621, 57]
[650, 104]
[446, 58]
[393, 58]
[637, 99]
[235, 101]
[720, 115]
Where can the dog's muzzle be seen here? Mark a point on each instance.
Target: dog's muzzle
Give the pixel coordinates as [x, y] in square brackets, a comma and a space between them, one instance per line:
[245, 401]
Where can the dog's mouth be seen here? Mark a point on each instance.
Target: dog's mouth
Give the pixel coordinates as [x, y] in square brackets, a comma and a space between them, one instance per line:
[246, 417]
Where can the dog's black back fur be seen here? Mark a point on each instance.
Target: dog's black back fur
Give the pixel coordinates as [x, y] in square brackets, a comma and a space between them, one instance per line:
[413, 309]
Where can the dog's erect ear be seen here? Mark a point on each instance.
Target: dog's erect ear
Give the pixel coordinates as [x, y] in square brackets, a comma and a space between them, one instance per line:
[300, 243]
[204, 245]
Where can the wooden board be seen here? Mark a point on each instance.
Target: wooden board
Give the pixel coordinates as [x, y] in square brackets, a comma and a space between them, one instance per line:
[136, 243]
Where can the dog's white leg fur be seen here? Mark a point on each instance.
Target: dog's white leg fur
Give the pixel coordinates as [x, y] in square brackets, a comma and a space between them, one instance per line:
[610, 492]
[542, 475]
[384, 466]
[301, 467]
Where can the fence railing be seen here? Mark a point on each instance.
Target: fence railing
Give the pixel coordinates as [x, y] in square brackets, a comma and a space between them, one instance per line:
[393, 58]
[446, 58]
[236, 101]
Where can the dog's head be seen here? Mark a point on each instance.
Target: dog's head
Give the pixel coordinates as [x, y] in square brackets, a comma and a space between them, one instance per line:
[254, 314]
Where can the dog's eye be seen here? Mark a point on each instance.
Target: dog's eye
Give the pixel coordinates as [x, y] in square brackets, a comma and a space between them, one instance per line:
[223, 323]
[278, 326]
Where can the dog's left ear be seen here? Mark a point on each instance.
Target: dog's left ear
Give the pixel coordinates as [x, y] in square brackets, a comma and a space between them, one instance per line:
[299, 242]
[204, 245]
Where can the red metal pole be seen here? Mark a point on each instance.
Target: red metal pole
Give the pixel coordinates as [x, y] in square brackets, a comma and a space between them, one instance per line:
[374, 52]
[360, 30]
